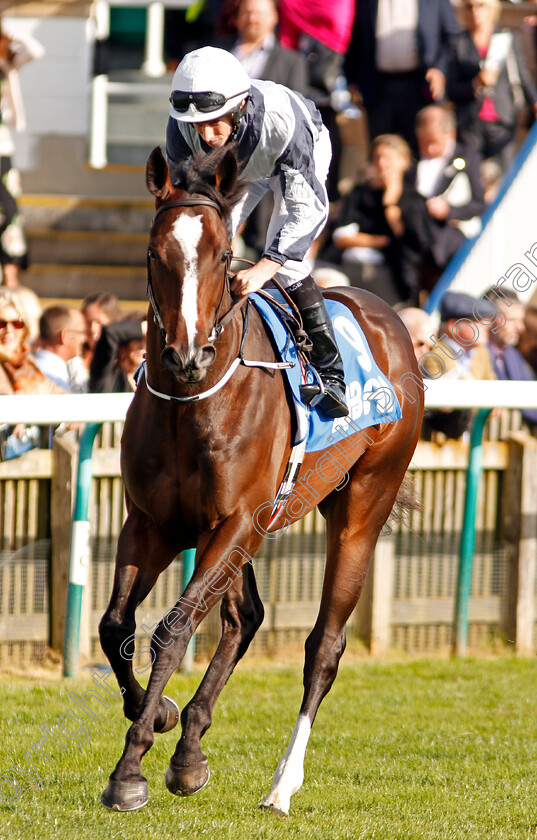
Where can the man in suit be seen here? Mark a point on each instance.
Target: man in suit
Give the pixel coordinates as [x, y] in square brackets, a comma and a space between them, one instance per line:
[507, 361]
[397, 60]
[259, 51]
[448, 176]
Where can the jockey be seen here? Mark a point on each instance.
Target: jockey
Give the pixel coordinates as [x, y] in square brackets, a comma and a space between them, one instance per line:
[283, 147]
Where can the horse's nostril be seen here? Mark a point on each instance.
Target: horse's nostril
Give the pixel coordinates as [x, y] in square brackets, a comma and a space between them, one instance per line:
[206, 356]
[170, 359]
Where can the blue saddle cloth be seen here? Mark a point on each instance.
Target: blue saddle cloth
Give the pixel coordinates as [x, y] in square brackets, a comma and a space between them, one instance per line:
[370, 396]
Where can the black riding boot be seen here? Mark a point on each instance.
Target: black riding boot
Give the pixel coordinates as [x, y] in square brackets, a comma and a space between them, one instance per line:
[325, 356]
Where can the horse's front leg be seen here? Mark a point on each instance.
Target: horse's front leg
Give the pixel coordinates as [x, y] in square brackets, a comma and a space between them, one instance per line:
[219, 561]
[142, 555]
[242, 614]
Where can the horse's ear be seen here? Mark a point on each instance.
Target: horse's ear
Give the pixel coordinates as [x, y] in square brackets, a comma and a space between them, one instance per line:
[157, 175]
[227, 173]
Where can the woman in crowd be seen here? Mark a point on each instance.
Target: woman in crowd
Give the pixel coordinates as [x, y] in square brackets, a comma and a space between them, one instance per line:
[18, 374]
[383, 228]
[489, 81]
[18, 371]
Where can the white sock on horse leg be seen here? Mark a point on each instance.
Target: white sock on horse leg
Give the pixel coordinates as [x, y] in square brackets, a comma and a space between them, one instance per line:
[289, 773]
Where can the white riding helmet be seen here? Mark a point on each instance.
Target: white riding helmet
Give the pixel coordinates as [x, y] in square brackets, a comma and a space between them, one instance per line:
[208, 83]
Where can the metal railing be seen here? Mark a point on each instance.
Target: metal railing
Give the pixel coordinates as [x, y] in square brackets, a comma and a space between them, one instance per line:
[94, 409]
[154, 67]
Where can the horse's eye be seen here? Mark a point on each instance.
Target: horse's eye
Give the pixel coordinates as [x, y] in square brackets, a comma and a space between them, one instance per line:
[151, 254]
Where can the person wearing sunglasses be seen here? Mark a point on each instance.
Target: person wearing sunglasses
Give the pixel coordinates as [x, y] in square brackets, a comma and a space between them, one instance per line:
[282, 147]
[19, 374]
[18, 370]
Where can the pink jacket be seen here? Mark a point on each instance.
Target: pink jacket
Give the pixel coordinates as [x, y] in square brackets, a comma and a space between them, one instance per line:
[329, 21]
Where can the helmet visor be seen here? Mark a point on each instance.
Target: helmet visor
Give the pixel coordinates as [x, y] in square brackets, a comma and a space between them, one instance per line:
[205, 102]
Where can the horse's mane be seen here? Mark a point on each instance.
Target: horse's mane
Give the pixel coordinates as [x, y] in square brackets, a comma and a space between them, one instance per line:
[198, 175]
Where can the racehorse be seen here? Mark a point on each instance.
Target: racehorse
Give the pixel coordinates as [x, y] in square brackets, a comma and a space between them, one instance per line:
[205, 446]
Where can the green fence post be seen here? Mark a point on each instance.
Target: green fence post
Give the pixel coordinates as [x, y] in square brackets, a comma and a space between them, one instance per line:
[189, 562]
[466, 549]
[79, 551]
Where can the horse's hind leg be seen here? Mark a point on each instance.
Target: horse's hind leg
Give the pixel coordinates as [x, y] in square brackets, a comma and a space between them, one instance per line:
[242, 614]
[355, 517]
[141, 556]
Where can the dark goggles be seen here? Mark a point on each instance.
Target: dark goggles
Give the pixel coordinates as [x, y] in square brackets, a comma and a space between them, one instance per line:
[205, 101]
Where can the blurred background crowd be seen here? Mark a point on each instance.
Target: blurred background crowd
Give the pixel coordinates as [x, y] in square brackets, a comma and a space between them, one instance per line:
[443, 96]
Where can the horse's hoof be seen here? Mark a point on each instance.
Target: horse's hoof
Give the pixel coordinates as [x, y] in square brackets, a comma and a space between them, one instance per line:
[125, 796]
[185, 781]
[275, 806]
[172, 715]
[274, 810]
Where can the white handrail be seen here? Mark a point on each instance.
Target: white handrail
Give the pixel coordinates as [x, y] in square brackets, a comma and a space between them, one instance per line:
[63, 408]
[154, 64]
[137, 88]
[471, 393]
[102, 408]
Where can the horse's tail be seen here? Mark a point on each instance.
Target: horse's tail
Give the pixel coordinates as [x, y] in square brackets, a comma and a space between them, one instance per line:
[406, 501]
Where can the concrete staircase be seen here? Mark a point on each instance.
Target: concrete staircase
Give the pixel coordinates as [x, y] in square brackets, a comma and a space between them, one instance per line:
[84, 245]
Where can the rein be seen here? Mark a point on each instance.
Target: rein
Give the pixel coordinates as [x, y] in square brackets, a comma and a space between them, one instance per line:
[303, 342]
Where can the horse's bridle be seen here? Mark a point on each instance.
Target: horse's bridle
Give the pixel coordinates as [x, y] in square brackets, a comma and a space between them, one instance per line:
[219, 323]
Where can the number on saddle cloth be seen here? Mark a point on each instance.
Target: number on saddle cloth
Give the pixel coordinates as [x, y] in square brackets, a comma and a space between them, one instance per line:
[370, 395]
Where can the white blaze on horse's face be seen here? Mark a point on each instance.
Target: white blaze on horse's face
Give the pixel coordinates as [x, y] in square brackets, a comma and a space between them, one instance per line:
[188, 230]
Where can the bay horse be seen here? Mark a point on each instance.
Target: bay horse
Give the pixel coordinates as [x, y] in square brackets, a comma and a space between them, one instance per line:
[203, 454]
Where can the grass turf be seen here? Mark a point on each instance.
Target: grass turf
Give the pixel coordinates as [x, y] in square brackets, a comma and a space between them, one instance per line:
[401, 750]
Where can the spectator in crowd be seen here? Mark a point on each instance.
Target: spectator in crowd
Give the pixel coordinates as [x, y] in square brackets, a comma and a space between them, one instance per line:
[491, 179]
[321, 30]
[259, 51]
[397, 60]
[449, 177]
[99, 308]
[420, 329]
[465, 324]
[119, 351]
[19, 374]
[27, 300]
[489, 81]
[329, 277]
[527, 344]
[62, 333]
[383, 227]
[507, 360]
[462, 350]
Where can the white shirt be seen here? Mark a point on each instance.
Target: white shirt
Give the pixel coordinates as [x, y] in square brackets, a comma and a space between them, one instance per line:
[254, 62]
[397, 36]
[430, 171]
[54, 368]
